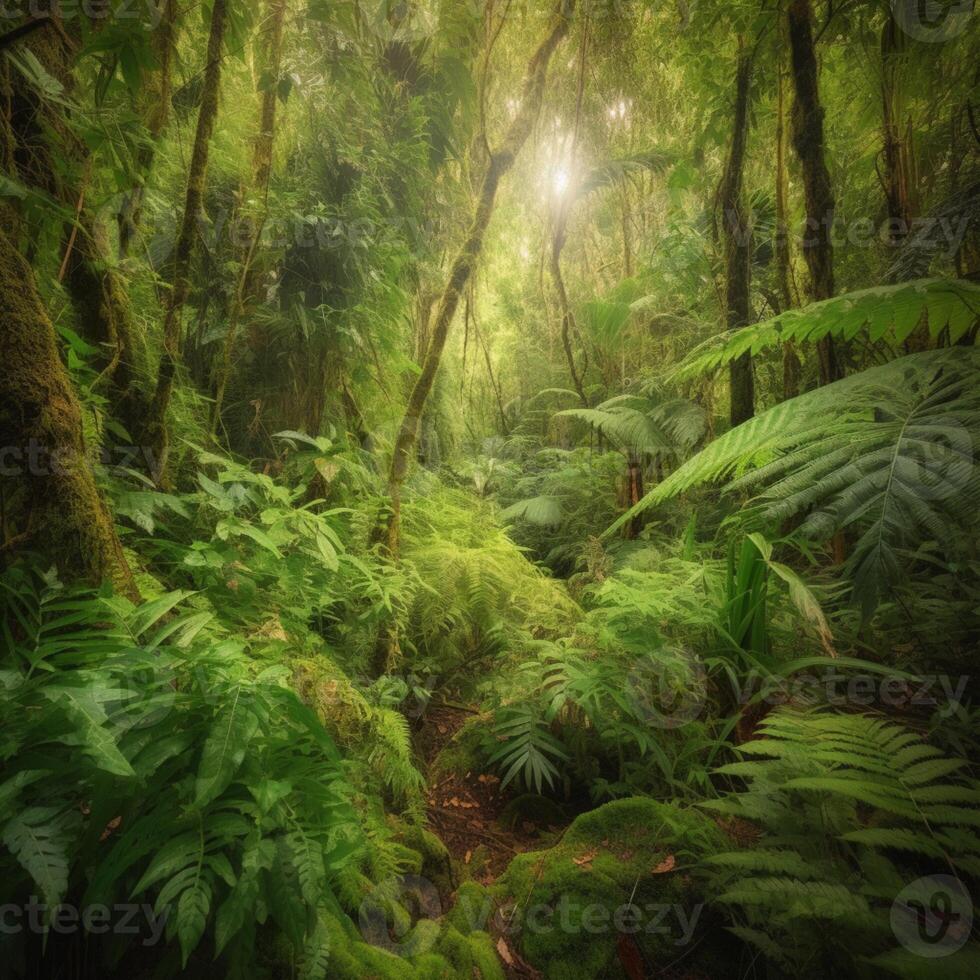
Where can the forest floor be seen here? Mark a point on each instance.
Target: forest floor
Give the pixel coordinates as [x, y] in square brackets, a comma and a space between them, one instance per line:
[467, 811]
[483, 830]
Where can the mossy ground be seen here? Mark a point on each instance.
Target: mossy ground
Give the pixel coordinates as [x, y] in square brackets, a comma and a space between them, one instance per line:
[619, 884]
[620, 875]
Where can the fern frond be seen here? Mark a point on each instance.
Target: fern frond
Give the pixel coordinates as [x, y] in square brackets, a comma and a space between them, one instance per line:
[887, 313]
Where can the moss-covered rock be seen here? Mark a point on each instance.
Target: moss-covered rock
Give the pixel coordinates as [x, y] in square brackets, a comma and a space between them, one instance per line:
[433, 861]
[486, 962]
[620, 876]
[473, 908]
[466, 752]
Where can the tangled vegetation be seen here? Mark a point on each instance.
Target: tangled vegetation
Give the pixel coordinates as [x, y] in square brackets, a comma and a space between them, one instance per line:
[488, 489]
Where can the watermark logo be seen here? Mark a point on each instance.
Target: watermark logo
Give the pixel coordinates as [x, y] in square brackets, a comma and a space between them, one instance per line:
[667, 689]
[932, 21]
[937, 460]
[147, 12]
[932, 917]
[388, 914]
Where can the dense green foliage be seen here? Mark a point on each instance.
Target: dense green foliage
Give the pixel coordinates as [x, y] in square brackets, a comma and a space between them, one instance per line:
[489, 489]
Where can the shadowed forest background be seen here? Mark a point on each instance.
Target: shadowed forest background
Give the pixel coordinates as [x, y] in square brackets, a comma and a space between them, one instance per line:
[488, 489]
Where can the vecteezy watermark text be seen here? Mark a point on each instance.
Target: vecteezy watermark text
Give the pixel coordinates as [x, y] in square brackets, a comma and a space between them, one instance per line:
[566, 915]
[39, 460]
[124, 919]
[149, 12]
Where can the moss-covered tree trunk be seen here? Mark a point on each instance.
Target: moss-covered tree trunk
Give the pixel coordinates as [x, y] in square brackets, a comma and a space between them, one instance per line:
[248, 284]
[155, 434]
[101, 303]
[41, 429]
[500, 163]
[40, 133]
[808, 141]
[737, 238]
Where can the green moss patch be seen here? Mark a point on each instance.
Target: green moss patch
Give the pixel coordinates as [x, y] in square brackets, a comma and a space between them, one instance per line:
[619, 883]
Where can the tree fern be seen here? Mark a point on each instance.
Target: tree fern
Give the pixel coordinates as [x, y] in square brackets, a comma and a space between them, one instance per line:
[852, 809]
[888, 454]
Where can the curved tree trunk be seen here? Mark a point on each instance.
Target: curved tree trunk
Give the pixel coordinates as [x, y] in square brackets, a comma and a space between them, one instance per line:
[501, 162]
[737, 237]
[41, 428]
[808, 140]
[155, 432]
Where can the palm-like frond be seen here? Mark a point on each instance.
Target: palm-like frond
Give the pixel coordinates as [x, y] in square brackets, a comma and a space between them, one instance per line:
[887, 454]
[615, 170]
[542, 511]
[644, 424]
[888, 313]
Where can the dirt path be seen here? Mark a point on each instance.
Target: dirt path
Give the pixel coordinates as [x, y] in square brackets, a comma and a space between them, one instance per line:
[465, 809]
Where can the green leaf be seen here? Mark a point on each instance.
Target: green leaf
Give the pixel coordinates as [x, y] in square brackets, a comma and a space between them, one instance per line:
[225, 747]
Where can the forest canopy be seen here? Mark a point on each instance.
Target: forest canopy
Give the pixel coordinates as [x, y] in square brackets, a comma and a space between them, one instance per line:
[488, 489]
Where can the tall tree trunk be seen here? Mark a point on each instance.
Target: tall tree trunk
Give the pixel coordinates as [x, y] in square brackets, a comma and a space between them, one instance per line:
[564, 307]
[500, 163]
[896, 178]
[737, 237]
[808, 140]
[788, 296]
[249, 283]
[97, 289]
[560, 237]
[155, 432]
[156, 113]
[41, 419]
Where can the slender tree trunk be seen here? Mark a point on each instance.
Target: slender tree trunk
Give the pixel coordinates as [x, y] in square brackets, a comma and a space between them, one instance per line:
[494, 381]
[564, 307]
[788, 296]
[500, 163]
[560, 237]
[155, 432]
[627, 237]
[157, 115]
[808, 140]
[737, 238]
[896, 179]
[249, 283]
[41, 418]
